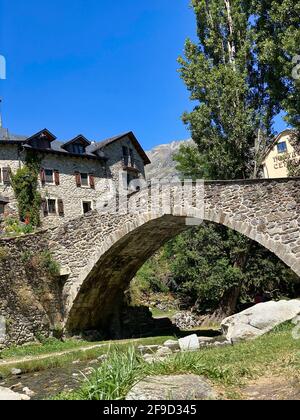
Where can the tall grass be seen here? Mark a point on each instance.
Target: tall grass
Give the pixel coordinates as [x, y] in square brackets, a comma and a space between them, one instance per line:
[276, 353]
[113, 379]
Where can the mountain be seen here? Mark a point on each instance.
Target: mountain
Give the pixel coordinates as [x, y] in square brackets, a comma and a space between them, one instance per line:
[162, 164]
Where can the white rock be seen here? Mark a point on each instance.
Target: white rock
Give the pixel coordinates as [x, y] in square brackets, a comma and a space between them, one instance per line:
[9, 395]
[28, 392]
[259, 319]
[16, 372]
[189, 343]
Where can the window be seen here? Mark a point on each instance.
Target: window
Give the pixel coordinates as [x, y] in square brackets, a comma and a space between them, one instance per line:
[125, 155]
[78, 149]
[87, 206]
[5, 176]
[131, 157]
[51, 206]
[84, 180]
[49, 176]
[282, 147]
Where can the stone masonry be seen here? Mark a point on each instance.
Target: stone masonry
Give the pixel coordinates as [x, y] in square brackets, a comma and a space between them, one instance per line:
[101, 252]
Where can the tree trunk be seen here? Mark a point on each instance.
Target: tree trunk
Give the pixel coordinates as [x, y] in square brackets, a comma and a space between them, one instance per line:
[228, 304]
[231, 44]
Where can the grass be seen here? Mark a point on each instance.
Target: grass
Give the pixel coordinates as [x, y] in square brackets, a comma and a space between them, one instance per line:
[228, 368]
[53, 361]
[157, 313]
[46, 346]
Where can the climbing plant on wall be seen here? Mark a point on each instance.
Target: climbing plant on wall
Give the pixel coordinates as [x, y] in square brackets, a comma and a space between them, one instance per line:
[25, 185]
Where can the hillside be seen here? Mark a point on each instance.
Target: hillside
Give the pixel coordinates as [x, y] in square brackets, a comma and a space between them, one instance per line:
[162, 164]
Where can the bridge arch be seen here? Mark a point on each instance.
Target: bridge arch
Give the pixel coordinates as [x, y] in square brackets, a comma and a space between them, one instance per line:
[266, 211]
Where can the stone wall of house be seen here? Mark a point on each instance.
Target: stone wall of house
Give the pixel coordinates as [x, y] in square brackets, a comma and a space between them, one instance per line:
[106, 177]
[71, 195]
[114, 153]
[10, 157]
[30, 296]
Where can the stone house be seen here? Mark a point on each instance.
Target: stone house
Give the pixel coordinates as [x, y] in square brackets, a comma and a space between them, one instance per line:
[74, 175]
[278, 154]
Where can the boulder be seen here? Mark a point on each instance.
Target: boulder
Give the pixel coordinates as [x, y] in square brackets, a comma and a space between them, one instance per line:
[189, 343]
[181, 387]
[9, 395]
[259, 319]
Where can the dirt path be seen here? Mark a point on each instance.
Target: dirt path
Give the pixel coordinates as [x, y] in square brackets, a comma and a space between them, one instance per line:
[272, 388]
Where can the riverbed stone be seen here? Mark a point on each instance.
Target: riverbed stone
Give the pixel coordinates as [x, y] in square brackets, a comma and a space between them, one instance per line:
[9, 395]
[179, 387]
[190, 343]
[151, 349]
[16, 372]
[172, 345]
[163, 352]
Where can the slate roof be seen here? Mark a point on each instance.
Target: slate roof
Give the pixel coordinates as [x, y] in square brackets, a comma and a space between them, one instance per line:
[95, 150]
[102, 144]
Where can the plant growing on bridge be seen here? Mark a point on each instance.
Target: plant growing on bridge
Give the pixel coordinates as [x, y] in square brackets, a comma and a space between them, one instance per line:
[25, 185]
[42, 260]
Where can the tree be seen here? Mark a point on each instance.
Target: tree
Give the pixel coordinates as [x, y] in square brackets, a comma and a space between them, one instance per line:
[233, 117]
[229, 75]
[277, 40]
[203, 265]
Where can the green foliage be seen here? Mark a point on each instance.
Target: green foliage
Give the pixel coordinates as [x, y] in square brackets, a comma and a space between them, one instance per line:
[275, 353]
[48, 263]
[204, 268]
[113, 379]
[25, 185]
[42, 261]
[241, 74]
[152, 277]
[13, 227]
[277, 40]
[233, 113]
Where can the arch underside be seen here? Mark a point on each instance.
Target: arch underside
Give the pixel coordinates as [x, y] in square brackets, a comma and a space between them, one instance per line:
[100, 296]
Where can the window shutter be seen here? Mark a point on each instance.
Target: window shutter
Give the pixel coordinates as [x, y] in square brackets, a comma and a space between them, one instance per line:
[44, 207]
[43, 176]
[6, 176]
[78, 179]
[92, 181]
[60, 205]
[56, 177]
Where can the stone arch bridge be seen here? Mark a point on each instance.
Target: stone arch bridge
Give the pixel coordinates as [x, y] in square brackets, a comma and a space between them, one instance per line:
[100, 253]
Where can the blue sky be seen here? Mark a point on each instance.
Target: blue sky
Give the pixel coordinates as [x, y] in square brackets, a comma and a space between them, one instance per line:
[96, 67]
